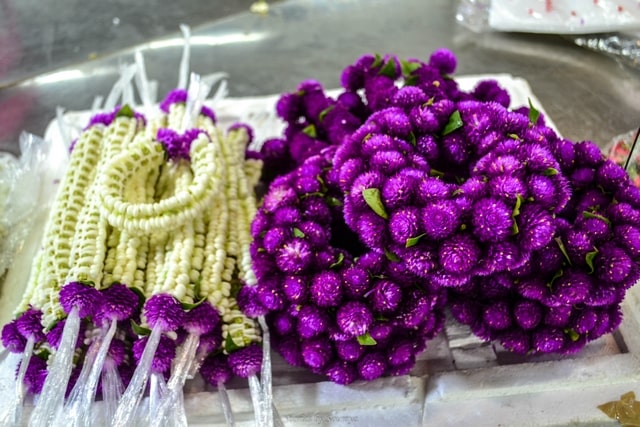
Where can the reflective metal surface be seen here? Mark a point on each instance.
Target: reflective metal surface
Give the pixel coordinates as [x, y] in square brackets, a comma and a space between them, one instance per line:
[588, 95]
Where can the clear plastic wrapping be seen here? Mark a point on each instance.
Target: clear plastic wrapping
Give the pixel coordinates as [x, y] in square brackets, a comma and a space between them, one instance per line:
[549, 16]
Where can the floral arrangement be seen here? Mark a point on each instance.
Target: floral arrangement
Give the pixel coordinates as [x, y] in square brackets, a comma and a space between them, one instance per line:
[405, 196]
[144, 253]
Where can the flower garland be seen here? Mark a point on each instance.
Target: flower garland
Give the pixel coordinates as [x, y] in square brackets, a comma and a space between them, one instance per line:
[140, 266]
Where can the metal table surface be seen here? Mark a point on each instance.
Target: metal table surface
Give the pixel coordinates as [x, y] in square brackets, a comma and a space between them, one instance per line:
[588, 95]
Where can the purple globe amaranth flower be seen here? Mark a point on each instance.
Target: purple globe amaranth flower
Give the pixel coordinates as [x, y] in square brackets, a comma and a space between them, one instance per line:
[164, 311]
[516, 341]
[326, 289]
[282, 323]
[459, 254]
[440, 219]
[536, 227]
[372, 366]
[585, 321]
[246, 361]
[295, 256]
[628, 237]
[176, 96]
[316, 352]
[202, 319]
[548, 340]
[356, 281]
[118, 303]
[341, 372]
[117, 353]
[558, 316]
[354, 318]
[83, 297]
[492, 221]
[588, 154]
[401, 352]
[349, 350]
[527, 314]
[312, 321]
[416, 310]
[29, 325]
[497, 315]
[249, 302]
[269, 294]
[289, 349]
[35, 375]
[572, 288]
[163, 356]
[215, 369]
[295, 289]
[490, 91]
[443, 60]
[386, 296]
[612, 264]
[12, 339]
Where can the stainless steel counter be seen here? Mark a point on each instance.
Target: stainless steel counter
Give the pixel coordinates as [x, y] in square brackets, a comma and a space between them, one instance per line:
[588, 95]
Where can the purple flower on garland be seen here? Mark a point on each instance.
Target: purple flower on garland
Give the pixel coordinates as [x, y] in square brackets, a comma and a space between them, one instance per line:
[35, 375]
[163, 356]
[246, 361]
[326, 289]
[249, 302]
[312, 321]
[202, 319]
[164, 311]
[118, 303]
[12, 339]
[29, 325]
[85, 298]
[215, 369]
[443, 60]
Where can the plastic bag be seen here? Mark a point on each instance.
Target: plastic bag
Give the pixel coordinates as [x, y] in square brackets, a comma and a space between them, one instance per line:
[549, 16]
[625, 47]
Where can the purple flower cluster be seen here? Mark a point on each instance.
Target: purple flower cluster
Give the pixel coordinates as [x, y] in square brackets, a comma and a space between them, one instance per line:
[570, 291]
[332, 305]
[176, 145]
[534, 238]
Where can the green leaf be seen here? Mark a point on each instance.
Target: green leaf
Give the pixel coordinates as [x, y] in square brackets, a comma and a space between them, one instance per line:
[563, 249]
[514, 228]
[372, 198]
[377, 61]
[334, 201]
[412, 138]
[412, 241]
[229, 345]
[587, 214]
[389, 69]
[534, 114]
[139, 330]
[140, 294]
[366, 339]
[188, 306]
[196, 287]
[550, 172]
[455, 122]
[298, 233]
[589, 257]
[44, 354]
[516, 209]
[391, 256]
[310, 131]
[436, 173]
[339, 261]
[125, 111]
[411, 80]
[324, 112]
[572, 334]
[514, 136]
[408, 67]
[558, 274]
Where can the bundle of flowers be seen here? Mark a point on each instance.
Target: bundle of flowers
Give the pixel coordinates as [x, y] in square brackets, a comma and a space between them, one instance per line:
[145, 250]
[406, 189]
